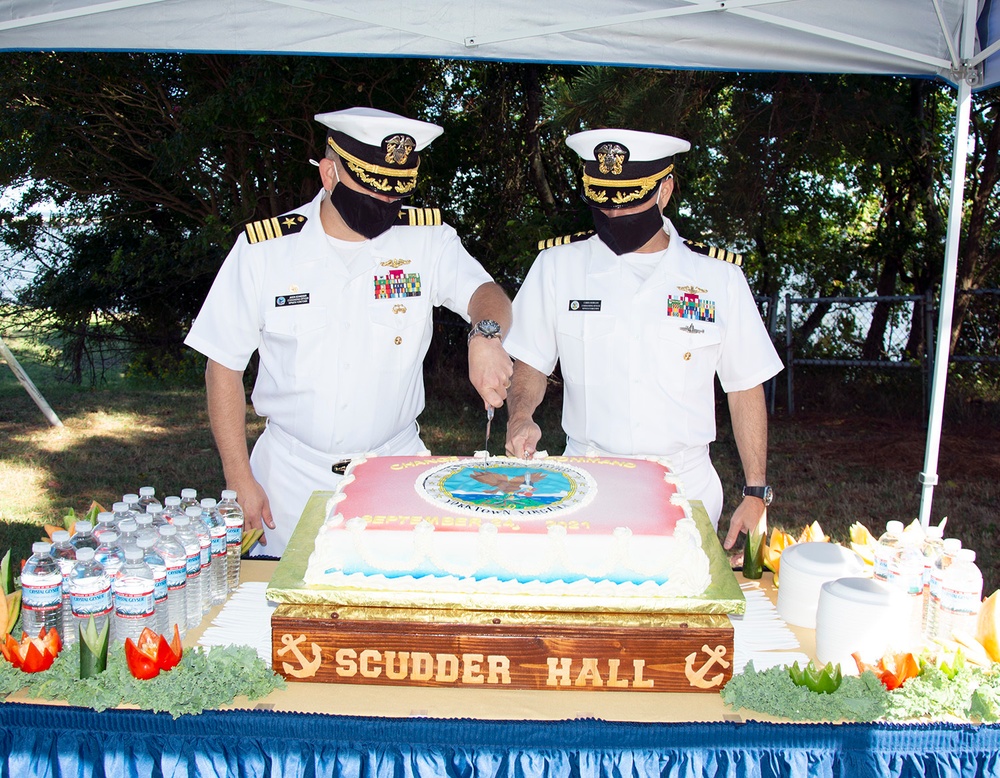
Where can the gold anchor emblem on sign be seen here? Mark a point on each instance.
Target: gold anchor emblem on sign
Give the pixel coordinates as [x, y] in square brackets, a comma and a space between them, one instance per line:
[697, 677]
[307, 668]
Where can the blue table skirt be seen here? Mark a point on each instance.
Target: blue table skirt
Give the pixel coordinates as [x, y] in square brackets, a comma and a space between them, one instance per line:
[40, 740]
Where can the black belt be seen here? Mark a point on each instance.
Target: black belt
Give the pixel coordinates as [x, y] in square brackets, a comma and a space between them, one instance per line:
[340, 467]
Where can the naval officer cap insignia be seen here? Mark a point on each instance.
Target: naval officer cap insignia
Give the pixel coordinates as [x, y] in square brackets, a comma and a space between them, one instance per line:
[380, 150]
[622, 168]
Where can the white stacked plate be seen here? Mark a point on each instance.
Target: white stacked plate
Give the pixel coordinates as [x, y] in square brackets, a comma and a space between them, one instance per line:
[856, 615]
[805, 567]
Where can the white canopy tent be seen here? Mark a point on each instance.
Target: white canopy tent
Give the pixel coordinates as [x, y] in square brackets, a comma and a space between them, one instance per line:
[956, 40]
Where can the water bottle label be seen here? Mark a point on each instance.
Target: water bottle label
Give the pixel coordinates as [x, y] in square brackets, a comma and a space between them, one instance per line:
[41, 591]
[90, 597]
[206, 552]
[134, 597]
[219, 545]
[160, 584]
[234, 534]
[194, 565]
[958, 602]
[177, 574]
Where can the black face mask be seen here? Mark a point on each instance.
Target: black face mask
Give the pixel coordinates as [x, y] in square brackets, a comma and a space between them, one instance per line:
[625, 234]
[366, 215]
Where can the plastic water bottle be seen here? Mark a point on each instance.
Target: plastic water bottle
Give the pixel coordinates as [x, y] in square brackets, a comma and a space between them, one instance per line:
[175, 561]
[145, 528]
[105, 522]
[127, 529]
[961, 595]
[189, 498]
[89, 591]
[158, 566]
[124, 509]
[217, 532]
[147, 497]
[110, 555]
[41, 592]
[932, 548]
[172, 508]
[155, 515]
[192, 552]
[205, 541]
[885, 550]
[65, 556]
[135, 603]
[232, 515]
[932, 608]
[906, 575]
[83, 536]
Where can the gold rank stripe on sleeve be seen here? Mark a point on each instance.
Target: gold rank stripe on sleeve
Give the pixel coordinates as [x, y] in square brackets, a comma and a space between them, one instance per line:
[275, 227]
[419, 217]
[563, 240]
[715, 253]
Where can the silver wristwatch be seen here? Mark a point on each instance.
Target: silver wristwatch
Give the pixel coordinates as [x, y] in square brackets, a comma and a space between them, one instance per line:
[766, 493]
[487, 328]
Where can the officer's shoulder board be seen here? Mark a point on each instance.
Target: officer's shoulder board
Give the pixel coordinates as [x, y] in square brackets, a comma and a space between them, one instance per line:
[564, 239]
[419, 217]
[711, 251]
[275, 227]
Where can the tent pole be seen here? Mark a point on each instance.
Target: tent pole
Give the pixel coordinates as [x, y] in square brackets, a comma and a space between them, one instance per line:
[929, 477]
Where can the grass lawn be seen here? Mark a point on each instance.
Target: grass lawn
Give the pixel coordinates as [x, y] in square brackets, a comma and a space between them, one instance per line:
[834, 465]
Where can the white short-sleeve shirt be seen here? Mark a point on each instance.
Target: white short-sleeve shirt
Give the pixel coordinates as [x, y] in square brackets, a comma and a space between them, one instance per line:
[341, 327]
[639, 357]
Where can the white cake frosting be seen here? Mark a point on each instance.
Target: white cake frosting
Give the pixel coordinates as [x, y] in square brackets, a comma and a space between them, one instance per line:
[581, 550]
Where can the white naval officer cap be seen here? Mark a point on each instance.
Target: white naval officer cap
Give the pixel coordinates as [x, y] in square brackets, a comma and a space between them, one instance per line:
[379, 148]
[622, 168]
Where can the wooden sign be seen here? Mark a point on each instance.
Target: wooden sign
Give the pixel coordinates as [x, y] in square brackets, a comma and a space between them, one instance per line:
[582, 652]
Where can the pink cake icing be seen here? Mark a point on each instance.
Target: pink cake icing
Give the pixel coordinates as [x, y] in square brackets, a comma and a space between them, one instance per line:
[566, 533]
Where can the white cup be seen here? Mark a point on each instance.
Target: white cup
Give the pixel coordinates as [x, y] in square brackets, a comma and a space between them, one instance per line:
[805, 567]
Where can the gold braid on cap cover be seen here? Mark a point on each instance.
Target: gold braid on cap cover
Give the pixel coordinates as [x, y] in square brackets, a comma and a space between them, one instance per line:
[643, 186]
[358, 166]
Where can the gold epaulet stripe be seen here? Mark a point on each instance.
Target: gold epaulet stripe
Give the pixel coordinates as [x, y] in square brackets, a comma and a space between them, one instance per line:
[419, 217]
[275, 227]
[715, 253]
[563, 240]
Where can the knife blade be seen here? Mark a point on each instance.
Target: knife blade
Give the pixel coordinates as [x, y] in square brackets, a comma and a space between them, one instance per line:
[489, 424]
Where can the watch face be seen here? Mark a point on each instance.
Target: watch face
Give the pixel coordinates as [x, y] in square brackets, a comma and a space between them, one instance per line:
[488, 328]
[768, 495]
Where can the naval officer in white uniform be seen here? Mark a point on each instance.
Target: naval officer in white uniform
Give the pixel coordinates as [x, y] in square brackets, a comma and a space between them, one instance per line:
[336, 297]
[641, 322]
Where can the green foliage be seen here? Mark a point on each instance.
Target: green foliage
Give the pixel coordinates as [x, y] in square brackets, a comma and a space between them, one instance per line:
[203, 680]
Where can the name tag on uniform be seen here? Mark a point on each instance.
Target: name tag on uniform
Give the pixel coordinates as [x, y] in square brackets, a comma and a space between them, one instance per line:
[585, 305]
[291, 299]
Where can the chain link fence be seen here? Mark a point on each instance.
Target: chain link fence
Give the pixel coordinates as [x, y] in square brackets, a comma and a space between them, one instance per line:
[881, 333]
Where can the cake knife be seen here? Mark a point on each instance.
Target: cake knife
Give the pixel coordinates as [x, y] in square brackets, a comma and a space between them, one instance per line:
[489, 423]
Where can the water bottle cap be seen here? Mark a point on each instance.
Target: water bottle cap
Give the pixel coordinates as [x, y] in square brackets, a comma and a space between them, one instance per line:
[172, 501]
[145, 541]
[128, 525]
[935, 531]
[60, 536]
[147, 491]
[40, 547]
[192, 511]
[208, 502]
[951, 545]
[84, 554]
[153, 508]
[106, 517]
[144, 520]
[169, 529]
[133, 552]
[966, 555]
[130, 499]
[183, 521]
[895, 527]
[108, 537]
[228, 494]
[189, 493]
[120, 507]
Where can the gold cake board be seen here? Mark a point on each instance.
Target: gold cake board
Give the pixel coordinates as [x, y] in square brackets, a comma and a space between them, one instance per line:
[686, 646]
